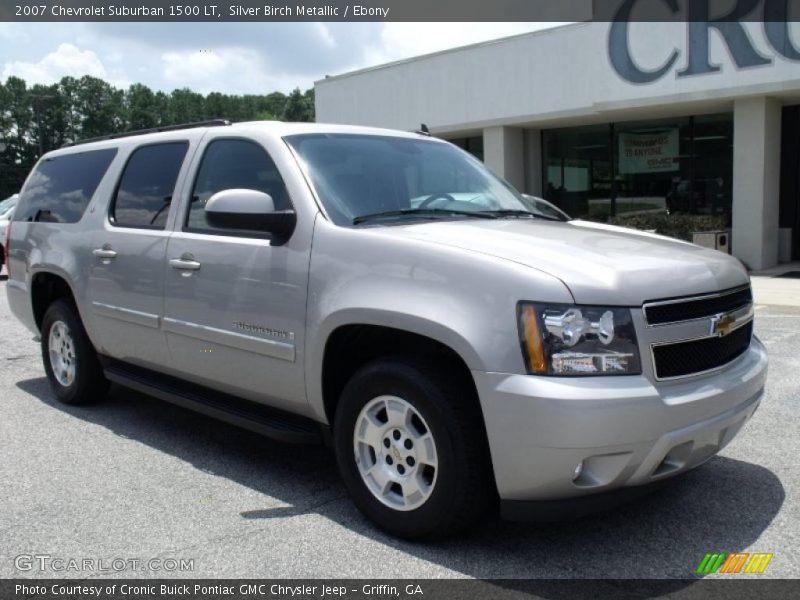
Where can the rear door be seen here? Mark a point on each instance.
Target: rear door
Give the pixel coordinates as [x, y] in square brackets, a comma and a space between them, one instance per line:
[235, 300]
[127, 274]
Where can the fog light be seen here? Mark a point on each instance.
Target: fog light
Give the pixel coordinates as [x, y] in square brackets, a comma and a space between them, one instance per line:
[578, 471]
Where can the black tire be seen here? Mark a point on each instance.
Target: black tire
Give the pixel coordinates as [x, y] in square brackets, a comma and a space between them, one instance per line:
[88, 384]
[464, 487]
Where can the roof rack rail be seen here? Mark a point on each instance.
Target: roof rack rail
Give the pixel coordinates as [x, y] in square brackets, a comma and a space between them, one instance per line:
[423, 130]
[113, 136]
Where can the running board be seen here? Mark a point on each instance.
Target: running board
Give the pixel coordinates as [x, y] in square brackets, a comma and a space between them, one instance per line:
[261, 419]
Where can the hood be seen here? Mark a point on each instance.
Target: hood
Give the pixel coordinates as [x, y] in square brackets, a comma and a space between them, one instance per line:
[600, 264]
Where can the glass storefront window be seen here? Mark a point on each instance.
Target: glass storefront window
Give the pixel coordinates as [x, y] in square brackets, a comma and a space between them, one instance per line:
[653, 166]
[713, 166]
[681, 165]
[473, 145]
[577, 165]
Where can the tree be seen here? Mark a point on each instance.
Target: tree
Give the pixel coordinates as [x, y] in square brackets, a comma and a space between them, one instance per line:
[218, 105]
[101, 107]
[186, 106]
[17, 119]
[48, 127]
[298, 107]
[73, 120]
[44, 117]
[141, 107]
[272, 103]
[310, 98]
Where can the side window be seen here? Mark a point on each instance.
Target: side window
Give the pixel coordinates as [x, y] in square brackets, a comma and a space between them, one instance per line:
[60, 188]
[145, 190]
[233, 164]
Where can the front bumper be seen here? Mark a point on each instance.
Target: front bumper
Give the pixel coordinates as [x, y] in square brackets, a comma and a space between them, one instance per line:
[625, 431]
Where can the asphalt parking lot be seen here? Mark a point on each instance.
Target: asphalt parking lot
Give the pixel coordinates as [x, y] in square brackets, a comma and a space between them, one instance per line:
[138, 478]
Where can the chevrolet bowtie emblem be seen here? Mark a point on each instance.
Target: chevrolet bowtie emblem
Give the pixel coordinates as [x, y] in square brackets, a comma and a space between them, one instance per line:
[722, 324]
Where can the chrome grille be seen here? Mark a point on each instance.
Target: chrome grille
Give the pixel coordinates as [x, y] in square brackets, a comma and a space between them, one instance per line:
[705, 354]
[661, 312]
[696, 334]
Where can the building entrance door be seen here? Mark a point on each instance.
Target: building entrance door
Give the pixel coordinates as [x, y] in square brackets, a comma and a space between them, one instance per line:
[789, 215]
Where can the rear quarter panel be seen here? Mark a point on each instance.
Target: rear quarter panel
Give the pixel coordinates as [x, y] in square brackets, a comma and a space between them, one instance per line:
[63, 249]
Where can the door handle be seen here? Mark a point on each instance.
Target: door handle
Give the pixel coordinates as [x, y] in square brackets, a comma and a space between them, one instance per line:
[184, 264]
[105, 253]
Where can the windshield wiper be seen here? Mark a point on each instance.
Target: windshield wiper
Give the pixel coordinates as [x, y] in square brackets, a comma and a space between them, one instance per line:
[513, 212]
[423, 212]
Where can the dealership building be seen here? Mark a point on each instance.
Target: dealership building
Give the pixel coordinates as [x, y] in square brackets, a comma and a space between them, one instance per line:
[612, 119]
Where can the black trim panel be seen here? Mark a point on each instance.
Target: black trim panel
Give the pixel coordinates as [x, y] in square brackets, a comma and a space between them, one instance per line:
[546, 511]
[661, 312]
[262, 419]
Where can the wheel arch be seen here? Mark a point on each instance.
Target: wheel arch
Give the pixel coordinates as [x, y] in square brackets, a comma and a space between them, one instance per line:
[46, 288]
[350, 345]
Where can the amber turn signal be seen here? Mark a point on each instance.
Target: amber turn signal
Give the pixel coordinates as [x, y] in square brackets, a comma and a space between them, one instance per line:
[532, 342]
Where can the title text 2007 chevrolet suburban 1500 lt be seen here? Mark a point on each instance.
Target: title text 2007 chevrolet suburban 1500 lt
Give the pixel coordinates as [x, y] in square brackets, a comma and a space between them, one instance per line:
[384, 291]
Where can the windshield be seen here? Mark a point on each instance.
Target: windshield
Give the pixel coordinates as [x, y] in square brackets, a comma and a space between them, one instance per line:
[545, 207]
[360, 175]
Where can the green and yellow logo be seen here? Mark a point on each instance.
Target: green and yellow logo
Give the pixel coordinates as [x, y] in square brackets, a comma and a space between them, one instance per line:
[737, 562]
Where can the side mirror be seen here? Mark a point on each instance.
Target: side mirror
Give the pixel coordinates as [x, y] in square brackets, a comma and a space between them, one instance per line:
[249, 210]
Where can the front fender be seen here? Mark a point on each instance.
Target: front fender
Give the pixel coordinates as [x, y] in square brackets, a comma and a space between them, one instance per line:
[464, 300]
[403, 321]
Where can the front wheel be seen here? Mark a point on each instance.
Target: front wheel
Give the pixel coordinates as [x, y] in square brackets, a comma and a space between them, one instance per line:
[411, 449]
[70, 360]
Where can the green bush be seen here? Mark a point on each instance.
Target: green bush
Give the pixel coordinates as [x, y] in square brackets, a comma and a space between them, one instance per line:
[676, 225]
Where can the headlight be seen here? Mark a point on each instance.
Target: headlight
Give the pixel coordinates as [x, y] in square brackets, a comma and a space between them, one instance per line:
[569, 340]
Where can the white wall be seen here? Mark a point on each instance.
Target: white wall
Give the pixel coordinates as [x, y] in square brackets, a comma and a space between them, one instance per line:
[756, 181]
[546, 75]
[503, 153]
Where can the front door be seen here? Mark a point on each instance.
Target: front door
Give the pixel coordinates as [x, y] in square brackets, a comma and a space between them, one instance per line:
[126, 279]
[234, 301]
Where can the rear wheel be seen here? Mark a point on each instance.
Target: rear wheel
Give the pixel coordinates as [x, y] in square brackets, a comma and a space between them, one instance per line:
[412, 450]
[70, 360]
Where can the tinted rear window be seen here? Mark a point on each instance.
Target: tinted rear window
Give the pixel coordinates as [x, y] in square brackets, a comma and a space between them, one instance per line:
[145, 190]
[60, 188]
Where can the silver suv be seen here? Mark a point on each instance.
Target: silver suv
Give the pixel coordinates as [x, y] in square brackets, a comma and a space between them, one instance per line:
[383, 291]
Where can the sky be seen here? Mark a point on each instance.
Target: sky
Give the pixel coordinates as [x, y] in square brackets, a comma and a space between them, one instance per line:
[234, 58]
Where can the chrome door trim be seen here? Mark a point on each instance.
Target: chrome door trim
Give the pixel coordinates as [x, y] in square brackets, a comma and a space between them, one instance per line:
[126, 314]
[248, 343]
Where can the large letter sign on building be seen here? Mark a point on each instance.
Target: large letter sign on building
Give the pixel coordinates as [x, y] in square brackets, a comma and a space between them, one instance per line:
[735, 37]
[619, 51]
